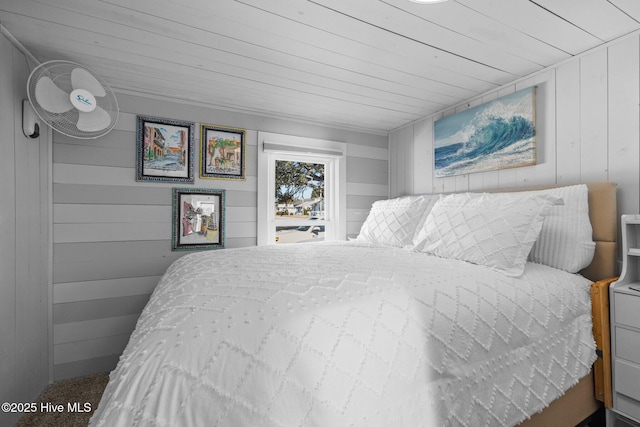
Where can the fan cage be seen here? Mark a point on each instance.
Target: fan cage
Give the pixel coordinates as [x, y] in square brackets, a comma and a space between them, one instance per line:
[65, 123]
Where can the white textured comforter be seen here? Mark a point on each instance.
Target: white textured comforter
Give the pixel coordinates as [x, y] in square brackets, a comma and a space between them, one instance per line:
[344, 334]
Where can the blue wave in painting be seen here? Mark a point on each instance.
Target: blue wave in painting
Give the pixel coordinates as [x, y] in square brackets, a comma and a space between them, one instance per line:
[496, 135]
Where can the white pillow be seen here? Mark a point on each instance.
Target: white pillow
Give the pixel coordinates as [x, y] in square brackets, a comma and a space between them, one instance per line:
[494, 230]
[394, 222]
[566, 240]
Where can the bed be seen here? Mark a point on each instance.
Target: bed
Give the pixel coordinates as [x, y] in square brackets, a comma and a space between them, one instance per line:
[403, 326]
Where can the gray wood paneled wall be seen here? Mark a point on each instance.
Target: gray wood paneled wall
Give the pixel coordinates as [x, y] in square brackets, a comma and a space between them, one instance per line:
[588, 129]
[24, 246]
[112, 234]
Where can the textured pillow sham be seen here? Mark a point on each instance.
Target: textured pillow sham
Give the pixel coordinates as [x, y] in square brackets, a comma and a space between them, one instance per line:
[494, 230]
[394, 222]
[566, 240]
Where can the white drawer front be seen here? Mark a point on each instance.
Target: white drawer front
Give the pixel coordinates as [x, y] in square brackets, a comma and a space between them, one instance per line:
[631, 408]
[627, 377]
[628, 344]
[627, 308]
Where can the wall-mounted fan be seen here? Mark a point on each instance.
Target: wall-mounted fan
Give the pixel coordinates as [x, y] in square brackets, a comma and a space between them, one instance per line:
[72, 100]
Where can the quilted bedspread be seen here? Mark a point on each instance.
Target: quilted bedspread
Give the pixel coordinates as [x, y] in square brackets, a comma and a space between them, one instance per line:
[348, 334]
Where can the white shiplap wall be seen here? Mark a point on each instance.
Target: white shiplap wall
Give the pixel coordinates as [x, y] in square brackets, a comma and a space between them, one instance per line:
[112, 234]
[24, 247]
[588, 122]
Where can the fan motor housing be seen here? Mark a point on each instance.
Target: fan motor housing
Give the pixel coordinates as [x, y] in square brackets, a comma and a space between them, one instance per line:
[83, 100]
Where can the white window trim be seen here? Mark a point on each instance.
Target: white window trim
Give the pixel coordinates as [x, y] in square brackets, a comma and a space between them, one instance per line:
[272, 146]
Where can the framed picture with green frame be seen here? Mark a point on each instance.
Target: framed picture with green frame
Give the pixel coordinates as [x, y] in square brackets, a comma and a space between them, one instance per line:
[198, 219]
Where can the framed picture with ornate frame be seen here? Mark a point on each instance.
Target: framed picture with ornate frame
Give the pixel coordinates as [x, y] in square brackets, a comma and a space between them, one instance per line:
[164, 151]
[198, 219]
[222, 152]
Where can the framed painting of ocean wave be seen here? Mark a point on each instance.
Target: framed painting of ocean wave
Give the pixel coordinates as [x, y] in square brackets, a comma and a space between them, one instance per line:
[495, 135]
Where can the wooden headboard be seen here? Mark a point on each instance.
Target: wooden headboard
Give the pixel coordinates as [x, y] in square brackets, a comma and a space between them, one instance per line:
[604, 221]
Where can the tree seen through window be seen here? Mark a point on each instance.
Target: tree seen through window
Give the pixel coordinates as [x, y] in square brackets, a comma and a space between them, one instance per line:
[299, 189]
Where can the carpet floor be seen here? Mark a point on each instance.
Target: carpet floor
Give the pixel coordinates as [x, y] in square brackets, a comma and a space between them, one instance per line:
[79, 397]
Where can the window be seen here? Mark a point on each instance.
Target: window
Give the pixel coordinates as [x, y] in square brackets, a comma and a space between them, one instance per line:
[299, 195]
[300, 190]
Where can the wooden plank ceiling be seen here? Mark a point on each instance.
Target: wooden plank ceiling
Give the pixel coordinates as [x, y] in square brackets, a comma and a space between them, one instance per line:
[372, 65]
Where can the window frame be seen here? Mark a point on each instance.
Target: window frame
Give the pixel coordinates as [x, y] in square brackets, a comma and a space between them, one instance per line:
[332, 154]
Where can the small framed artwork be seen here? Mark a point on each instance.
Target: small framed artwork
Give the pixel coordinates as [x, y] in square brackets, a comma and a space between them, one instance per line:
[164, 150]
[198, 219]
[222, 152]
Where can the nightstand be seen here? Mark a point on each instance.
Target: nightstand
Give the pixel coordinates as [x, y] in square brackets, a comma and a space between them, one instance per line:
[624, 298]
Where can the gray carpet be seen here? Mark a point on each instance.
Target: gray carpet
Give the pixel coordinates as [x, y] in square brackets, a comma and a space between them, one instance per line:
[78, 392]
